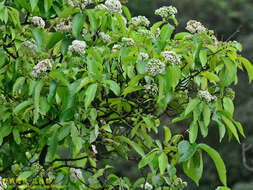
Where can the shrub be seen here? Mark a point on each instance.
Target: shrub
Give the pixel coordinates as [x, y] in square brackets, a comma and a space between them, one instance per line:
[82, 84]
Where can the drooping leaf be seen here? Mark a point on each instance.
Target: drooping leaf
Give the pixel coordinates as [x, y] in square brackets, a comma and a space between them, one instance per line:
[193, 131]
[191, 105]
[163, 162]
[90, 94]
[220, 166]
[77, 24]
[186, 150]
[38, 89]
[193, 168]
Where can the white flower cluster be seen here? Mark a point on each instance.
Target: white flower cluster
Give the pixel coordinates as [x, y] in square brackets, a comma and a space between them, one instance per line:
[171, 57]
[128, 41]
[38, 21]
[75, 175]
[101, 7]
[146, 186]
[147, 33]
[84, 31]
[2, 184]
[151, 88]
[155, 67]
[65, 25]
[105, 37]
[194, 26]
[143, 55]
[166, 11]
[78, 47]
[206, 96]
[139, 21]
[31, 45]
[113, 6]
[40, 68]
[80, 4]
[116, 47]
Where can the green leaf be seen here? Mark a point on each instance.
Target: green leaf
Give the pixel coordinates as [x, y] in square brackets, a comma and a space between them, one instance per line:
[113, 86]
[16, 135]
[65, 45]
[240, 128]
[134, 145]
[166, 32]
[64, 131]
[40, 38]
[92, 20]
[33, 3]
[147, 159]
[38, 89]
[203, 57]
[163, 162]
[193, 131]
[231, 127]
[181, 35]
[18, 83]
[126, 12]
[228, 105]
[220, 166]
[193, 168]
[24, 175]
[53, 143]
[44, 106]
[59, 76]
[52, 91]
[22, 106]
[77, 25]
[54, 38]
[47, 5]
[206, 114]
[210, 76]
[191, 105]
[167, 134]
[203, 128]
[131, 89]
[186, 150]
[90, 94]
[248, 66]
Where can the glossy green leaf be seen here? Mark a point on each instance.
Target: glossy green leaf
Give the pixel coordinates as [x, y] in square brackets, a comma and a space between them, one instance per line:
[206, 114]
[52, 91]
[33, 3]
[248, 66]
[167, 134]
[231, 127]
[193, 132]
[93, 21]
[147, 159]
[193, 168]
[134, 145]
[191, 105]
[16, 135]
[40, 38]
[38, 89]
[166, 33]
[186, 150]
[113, 86]
[25, 175]
[22, 106]
[126, 12]
[54, 38]
[203, 57]
[77, 25]
[228, 105]
[90, 94]
[163, 162]
[47, 5]
[222, 188]
[220, 166]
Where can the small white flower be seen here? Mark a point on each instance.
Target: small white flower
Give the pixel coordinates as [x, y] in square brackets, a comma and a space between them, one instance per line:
[139, 21]
[105, 37]
[65, 25]
[194, 26]
[84, 31]
[158, 32]
[128, 41]
[204, 94]
[2, 184]
[80, 4]
[146, 186]
[94, 149]
[40, 69]
[155, 67]
[151, 88]
[171, 57]
[78, 47]
[75, 175]
[113, 6]
[146, 33]
[143, 55]
[165, 12]
[116, 47]
[38, 21]
[31, 45]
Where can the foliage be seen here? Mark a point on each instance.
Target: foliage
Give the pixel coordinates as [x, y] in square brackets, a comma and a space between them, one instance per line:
[80, 87]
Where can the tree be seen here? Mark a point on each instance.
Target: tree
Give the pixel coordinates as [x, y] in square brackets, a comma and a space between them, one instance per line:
[84, 83]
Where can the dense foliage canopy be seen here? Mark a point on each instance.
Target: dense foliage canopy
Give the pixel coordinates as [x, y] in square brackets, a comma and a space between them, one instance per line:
[83, 83]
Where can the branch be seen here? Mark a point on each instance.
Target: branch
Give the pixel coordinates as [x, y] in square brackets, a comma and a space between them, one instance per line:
[244, 160]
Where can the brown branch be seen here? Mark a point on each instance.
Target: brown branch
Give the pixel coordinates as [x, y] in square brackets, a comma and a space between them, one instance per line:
[245, 148]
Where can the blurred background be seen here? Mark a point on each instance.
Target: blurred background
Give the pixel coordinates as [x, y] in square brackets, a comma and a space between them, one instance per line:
[224, 17]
